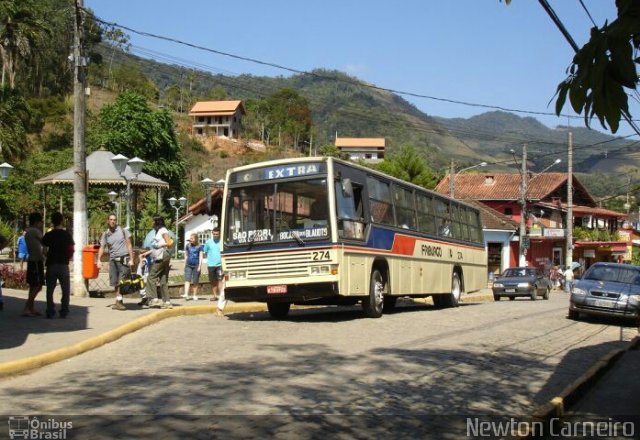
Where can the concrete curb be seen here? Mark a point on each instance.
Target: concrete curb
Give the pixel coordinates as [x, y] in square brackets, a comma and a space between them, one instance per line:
[556, 407]
[33, 362]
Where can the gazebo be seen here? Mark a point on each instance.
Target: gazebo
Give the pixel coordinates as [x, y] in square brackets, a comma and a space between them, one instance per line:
[102, 172]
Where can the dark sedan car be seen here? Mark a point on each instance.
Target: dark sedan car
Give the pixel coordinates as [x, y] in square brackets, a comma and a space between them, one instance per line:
[521, 281]
[608, 289]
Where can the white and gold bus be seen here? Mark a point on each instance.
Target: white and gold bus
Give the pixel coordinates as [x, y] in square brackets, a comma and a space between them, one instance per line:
[325, 231]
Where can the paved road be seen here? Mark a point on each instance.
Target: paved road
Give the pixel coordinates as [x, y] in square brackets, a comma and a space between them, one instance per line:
[479, 359]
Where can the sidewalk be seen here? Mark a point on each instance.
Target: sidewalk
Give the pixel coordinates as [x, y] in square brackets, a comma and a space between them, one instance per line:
[27, 343]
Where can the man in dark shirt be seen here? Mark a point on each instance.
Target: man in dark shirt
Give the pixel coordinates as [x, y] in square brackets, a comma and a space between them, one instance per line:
[57, 247]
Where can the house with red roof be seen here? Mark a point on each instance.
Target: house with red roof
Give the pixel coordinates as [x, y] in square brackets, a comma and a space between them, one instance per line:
[595, 230]
[368, 149]
[217, 118]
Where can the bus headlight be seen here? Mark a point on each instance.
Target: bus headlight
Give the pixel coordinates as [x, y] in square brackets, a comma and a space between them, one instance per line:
[320, 270]
[325, 269]
[237, 275]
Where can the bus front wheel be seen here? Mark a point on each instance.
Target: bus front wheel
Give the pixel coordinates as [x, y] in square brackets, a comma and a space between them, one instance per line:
[373, 304]
[278, 310]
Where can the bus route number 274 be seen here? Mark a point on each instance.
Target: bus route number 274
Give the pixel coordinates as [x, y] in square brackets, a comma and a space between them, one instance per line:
[320, 256]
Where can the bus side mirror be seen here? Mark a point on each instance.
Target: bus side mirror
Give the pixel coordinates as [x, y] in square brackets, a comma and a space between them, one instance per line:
[347, 188]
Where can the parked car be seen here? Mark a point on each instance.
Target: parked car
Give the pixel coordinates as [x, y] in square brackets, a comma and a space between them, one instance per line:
[607, 289]
[521, 281]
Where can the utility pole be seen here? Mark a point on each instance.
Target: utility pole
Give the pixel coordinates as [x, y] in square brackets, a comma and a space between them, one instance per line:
[79, 154]
[569, 226]
[452, 185]
[523, 208]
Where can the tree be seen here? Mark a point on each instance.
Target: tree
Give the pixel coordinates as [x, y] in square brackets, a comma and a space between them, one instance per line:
[330, 150]
[409, 166]
[21, 29]
[290, 114]
[14, 120]
[604, 68]
[130, 127]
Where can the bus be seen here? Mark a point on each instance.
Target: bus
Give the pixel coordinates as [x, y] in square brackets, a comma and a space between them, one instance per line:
[323, 231]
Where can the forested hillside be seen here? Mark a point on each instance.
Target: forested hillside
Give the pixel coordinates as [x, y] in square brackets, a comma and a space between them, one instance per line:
[140, 106]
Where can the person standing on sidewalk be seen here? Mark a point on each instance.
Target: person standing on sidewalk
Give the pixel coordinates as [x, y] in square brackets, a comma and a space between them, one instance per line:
[118, 242]
[35, 263]
[568, 279]
[159, 273]
[3, 244]
[192, 265]
[214, 264]
[22, 250]
[58, 248]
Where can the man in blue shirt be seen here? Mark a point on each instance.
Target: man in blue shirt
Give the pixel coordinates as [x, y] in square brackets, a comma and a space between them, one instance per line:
[214, 263]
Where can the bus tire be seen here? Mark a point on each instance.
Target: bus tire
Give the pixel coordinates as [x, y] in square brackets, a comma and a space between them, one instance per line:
[278, 310]
[372, 305]
[389, 303]
[452, 299]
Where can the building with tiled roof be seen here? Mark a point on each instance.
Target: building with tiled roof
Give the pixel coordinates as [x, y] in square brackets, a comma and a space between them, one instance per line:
[217, 118]
[546, 216]
[368, 149]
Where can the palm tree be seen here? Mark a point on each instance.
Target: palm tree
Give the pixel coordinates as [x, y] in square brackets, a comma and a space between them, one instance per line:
[21, 28]
[14, 115]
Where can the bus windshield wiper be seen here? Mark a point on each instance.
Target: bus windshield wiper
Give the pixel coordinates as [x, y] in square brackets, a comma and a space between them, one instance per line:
[296, 237]
[251, 241]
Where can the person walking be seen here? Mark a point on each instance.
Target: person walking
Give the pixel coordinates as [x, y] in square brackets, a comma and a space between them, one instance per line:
[3, 244]
[118, 242]
[214, 264]
[192, 264]
[22, 250]
[568, 279]
[35, 263]
[58, 248]
[159, 273]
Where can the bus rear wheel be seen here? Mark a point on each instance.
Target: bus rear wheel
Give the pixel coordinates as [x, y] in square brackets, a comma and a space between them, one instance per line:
[452, 299]
[278, 310]
[373, 304]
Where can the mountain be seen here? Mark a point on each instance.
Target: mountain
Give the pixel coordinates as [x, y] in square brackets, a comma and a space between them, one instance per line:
[352, 108]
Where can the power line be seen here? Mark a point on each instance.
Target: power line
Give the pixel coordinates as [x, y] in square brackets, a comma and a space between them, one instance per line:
[320, 76]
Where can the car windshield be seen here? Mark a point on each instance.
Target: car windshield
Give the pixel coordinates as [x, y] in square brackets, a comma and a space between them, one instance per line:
[519, 272]
[276, 212]
[613, 274]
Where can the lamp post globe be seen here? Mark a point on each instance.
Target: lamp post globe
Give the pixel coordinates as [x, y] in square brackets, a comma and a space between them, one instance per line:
[5, 170]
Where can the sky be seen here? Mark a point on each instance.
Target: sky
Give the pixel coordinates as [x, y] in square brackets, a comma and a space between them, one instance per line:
[480, 52]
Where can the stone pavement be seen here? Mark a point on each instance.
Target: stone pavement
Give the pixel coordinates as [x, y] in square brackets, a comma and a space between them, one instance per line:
[29, 343]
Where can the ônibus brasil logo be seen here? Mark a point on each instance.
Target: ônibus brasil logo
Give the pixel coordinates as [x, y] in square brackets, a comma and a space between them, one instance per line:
[32, 428]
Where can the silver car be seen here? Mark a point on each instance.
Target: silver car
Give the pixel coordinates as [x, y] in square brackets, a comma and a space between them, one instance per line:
[607, 289]
[521, 281]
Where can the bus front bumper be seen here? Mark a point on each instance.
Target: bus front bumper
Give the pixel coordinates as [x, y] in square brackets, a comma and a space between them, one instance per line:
[294, 293]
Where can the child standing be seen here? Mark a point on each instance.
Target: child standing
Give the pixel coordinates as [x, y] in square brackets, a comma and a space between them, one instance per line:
[143, 271]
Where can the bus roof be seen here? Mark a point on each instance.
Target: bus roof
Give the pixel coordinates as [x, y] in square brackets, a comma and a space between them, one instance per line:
[307, 159]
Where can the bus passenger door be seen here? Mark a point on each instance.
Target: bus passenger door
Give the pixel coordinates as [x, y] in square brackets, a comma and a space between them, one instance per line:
[349, 209]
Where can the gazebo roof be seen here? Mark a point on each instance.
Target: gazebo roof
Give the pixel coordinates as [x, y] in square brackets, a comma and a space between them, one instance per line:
[101, 171]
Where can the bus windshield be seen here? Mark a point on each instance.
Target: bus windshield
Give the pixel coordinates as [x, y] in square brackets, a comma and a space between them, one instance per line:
[270, 212]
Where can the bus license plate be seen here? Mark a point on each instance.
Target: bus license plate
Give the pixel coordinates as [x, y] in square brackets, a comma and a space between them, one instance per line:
[280, 288]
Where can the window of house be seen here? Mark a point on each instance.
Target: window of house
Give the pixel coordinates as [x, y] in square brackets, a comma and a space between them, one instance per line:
[508, 211]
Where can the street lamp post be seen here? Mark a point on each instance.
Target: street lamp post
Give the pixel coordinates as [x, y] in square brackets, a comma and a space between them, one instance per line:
[207, 184]
[113, 198]
[452, 179]
[135, 164]
[524, 183]
[5, 170]
[177, 204]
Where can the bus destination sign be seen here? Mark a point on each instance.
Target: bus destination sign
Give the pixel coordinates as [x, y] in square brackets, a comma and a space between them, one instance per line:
[294, 170]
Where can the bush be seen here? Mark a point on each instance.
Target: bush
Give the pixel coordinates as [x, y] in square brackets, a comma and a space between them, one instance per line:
[13, 279]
